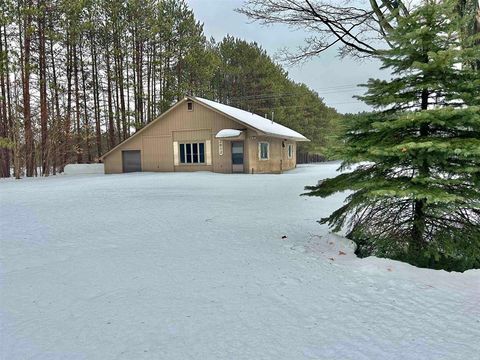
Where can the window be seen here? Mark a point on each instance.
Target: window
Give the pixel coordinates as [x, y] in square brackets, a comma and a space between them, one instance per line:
[290, 151]
[192, 153]
[263, 149]
[190, 106]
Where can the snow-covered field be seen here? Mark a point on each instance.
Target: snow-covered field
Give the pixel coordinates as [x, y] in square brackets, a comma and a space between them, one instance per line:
[193, 266]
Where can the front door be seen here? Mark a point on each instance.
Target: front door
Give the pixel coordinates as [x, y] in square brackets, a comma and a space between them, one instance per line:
[237, 156]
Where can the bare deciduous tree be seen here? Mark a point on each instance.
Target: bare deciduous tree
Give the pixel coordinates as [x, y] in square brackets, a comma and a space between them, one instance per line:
[357, 28]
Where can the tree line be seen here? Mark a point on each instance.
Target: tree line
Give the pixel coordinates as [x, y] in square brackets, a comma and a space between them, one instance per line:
[77, 77]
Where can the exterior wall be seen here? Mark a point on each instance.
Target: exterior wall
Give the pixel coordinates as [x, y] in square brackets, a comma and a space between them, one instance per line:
[278, 160]
[157, 153]
[222, 163]
[291, 163]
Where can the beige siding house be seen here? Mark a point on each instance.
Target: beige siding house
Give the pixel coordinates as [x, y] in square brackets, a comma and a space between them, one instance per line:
[202, 135]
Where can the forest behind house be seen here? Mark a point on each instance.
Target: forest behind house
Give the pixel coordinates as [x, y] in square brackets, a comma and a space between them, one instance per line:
[77, 77]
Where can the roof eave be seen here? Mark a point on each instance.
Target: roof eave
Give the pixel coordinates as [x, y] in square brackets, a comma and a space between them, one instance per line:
[298, 139]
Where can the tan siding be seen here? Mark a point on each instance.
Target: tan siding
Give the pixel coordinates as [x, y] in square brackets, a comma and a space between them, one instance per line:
[192, 167]
[192, 135]
[157, 153]
[222, 163]
[200, 118]
[278, 155]
[251, 151]
[289, 163]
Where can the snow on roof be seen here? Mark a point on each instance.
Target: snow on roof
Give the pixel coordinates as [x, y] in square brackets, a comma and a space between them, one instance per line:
[227, 133]
[255, 121]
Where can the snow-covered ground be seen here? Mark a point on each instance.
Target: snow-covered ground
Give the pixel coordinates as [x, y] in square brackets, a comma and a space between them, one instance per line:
[193, 266]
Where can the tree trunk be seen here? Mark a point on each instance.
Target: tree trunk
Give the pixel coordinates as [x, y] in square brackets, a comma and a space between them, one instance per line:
[86, 122]
[25, 69]
[78, 145]
[66, 136]
[8, 100]
[419, 205]
[149, 83]
[56, 116]
[128, 96]
[15, 126]
[120, 85]
[139, 75]
[111, 132]
[134, 78]
[117, 107]
[96, 100]
[476, 29]
[43, 88]
[4, 116]
[154, 83]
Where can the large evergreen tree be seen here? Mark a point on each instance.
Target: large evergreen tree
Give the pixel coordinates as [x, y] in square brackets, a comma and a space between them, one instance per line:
[416, 161]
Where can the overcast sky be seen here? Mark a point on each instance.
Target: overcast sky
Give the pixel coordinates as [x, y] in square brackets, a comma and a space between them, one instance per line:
[333, 78]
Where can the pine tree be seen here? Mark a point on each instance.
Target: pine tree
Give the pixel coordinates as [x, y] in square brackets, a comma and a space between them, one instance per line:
[416, 160]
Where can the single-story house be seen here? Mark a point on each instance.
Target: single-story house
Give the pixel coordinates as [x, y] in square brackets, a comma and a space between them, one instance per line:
[202, 135]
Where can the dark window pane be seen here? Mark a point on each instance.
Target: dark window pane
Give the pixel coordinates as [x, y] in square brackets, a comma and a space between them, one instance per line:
[264, 150]
[189, 153]
[237, 153]
[195, 153]
[201, 152]
[237, 159]
[182, 153]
